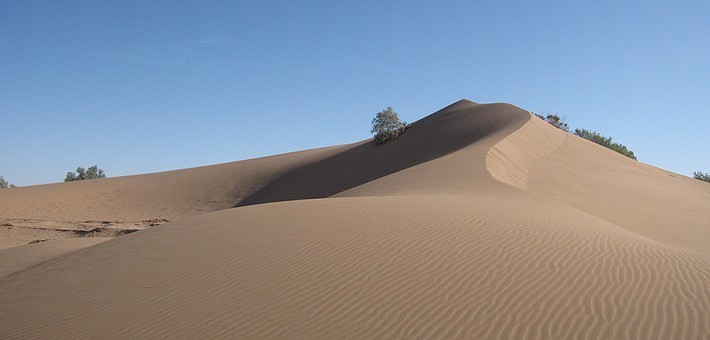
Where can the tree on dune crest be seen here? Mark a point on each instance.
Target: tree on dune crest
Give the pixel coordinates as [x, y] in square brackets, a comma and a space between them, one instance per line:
[4, 184]
[703, 176]
[386, 125]
[92, 172]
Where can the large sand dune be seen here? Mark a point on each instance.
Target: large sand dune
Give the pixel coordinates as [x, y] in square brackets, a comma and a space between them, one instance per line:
[478, 222]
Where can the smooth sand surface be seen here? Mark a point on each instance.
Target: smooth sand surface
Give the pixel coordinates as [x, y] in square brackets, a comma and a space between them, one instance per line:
[18, 259]
[479, 222]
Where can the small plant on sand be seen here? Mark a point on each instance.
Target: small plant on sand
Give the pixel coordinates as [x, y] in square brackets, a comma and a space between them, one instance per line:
[703, 176]
[92, 172]
[557, 122]
[554, 120]
[386, 126]
[605, 142]
[4, 184]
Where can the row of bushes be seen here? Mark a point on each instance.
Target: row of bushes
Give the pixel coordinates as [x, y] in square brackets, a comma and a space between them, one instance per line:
[593, 136]
[604, 141]
[596, 137]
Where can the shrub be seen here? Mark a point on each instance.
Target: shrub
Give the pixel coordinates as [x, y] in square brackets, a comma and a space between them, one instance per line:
[4, 184]
[703, 176]
[386, 126]
[557, 122]
[554, 120]
[92, 172]
[605, 141]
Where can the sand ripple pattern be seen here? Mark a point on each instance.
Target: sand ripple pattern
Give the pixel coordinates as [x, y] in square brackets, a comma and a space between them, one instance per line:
[471, 267]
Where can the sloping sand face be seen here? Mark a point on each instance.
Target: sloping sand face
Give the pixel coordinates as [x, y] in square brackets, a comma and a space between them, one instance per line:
[658, 204]
[168, 195]
[469, 240]
[63, 210]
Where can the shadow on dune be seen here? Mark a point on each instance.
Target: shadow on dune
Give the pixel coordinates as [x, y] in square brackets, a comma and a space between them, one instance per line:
[443, 132]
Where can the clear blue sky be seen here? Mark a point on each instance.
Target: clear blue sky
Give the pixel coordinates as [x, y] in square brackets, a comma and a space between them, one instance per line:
[148, 86]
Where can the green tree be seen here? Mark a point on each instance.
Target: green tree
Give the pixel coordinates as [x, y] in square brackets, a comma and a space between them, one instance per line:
[703, 176]
[4, 184]
[386, 125]
[605, 142]
[92, 172]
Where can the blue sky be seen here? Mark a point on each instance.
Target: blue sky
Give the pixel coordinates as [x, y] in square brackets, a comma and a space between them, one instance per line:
[148, 86]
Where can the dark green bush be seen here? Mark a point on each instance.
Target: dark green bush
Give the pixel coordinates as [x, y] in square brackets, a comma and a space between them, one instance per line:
[703, 176]
[4, 184]
[92, 172]
[605, 141]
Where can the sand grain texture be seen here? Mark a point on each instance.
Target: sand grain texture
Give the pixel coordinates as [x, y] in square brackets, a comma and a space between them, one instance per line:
[480, 223]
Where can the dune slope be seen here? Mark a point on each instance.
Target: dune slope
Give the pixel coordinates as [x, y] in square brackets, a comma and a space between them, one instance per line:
[458, 126]
[114, 205]
[420, 266]
[473, 237]
[170, 195]
[664, 206]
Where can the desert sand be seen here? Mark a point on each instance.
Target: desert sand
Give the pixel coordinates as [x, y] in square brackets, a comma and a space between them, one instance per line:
[480, 222]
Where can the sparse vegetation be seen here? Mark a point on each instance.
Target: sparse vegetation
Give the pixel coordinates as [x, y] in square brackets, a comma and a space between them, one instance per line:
[4, 184]
[557, 122]
[386, 126]
[703, 176]
[593, 136]
[605, 141]
[554, 120]
[92, 172]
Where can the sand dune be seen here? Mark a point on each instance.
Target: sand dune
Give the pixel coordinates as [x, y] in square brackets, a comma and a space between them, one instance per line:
[478, 222]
